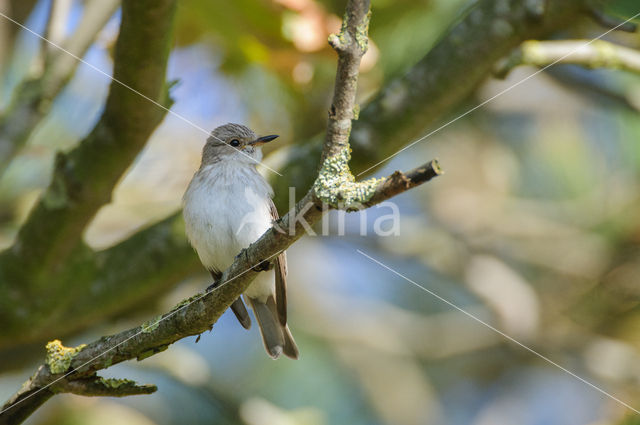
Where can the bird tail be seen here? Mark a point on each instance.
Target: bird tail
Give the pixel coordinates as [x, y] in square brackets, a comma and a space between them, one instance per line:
[277, 339]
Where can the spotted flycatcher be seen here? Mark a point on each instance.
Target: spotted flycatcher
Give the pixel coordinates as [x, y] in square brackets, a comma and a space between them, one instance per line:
[228, 206]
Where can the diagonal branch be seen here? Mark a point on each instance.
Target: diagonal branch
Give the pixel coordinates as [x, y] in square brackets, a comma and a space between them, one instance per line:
[452, 73]
[445, 77]
[198, 313]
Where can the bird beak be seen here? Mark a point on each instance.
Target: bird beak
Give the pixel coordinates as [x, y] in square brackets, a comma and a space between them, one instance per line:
[262, 140]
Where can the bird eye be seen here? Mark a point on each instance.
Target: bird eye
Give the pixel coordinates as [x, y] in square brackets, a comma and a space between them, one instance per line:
[235, 143]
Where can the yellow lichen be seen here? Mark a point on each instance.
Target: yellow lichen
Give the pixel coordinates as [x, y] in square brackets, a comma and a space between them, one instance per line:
[362, 33]
[59, 357]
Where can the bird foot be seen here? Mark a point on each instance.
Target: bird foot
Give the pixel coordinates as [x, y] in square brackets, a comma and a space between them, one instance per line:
[264, 266]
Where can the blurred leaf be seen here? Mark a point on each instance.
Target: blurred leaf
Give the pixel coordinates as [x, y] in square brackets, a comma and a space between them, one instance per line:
[623, 8]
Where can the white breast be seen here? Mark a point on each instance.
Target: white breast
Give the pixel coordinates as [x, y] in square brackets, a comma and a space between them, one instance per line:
[226, 208]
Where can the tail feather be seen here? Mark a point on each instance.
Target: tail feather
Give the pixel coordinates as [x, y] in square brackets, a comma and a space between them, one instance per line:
[277, 339]
[272, 336]
[290, 348]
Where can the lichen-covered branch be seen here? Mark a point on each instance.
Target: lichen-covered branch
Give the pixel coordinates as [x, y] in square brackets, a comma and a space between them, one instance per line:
[191, 317]
[409, 105]
[103, 387]
[350, 44]
[463, 58]
[96, 285]
[335, 184]
[31, 396]
[161, 254]
[587, 53]
[399, 182]
[198, 313]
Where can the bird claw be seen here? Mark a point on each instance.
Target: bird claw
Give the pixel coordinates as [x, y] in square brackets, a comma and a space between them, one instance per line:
[264, 266]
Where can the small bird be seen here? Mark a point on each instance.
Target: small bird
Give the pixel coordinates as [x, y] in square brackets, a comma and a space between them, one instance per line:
[228, 206]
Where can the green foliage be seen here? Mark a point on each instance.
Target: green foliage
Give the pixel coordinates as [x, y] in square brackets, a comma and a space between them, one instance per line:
[623, 8]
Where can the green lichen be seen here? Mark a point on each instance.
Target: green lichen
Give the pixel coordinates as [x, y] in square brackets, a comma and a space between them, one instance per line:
[151, 325]
[59, 357]
[336, 186]
[187, 301]
[362, 33]
[150, 352]
[115, 383]
[338, 40]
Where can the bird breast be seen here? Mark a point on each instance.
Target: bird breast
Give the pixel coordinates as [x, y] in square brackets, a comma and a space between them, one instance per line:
[226, 208]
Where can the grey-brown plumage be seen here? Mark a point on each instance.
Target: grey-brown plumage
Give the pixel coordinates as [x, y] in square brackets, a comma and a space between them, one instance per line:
[228, 206]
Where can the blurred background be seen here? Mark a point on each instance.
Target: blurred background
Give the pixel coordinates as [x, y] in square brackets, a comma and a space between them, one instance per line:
[533, 228]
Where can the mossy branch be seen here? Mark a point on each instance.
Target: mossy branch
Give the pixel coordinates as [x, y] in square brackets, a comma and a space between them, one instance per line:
[103, 387]
[198, 313]
[403, 109]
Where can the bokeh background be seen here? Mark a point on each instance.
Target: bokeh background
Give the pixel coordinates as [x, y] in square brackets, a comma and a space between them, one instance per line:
[533, 228]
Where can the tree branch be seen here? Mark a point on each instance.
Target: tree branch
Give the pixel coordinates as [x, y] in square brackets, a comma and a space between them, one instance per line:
[458, 71]
[399, 182]
[444, 77]
[103, 387]
[198, 313]
[33, 98]
[84, 178]
[587, 53]
[408, 105]
[94, 285]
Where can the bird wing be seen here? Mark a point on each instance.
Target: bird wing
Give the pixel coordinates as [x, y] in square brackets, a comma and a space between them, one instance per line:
[281, 276]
